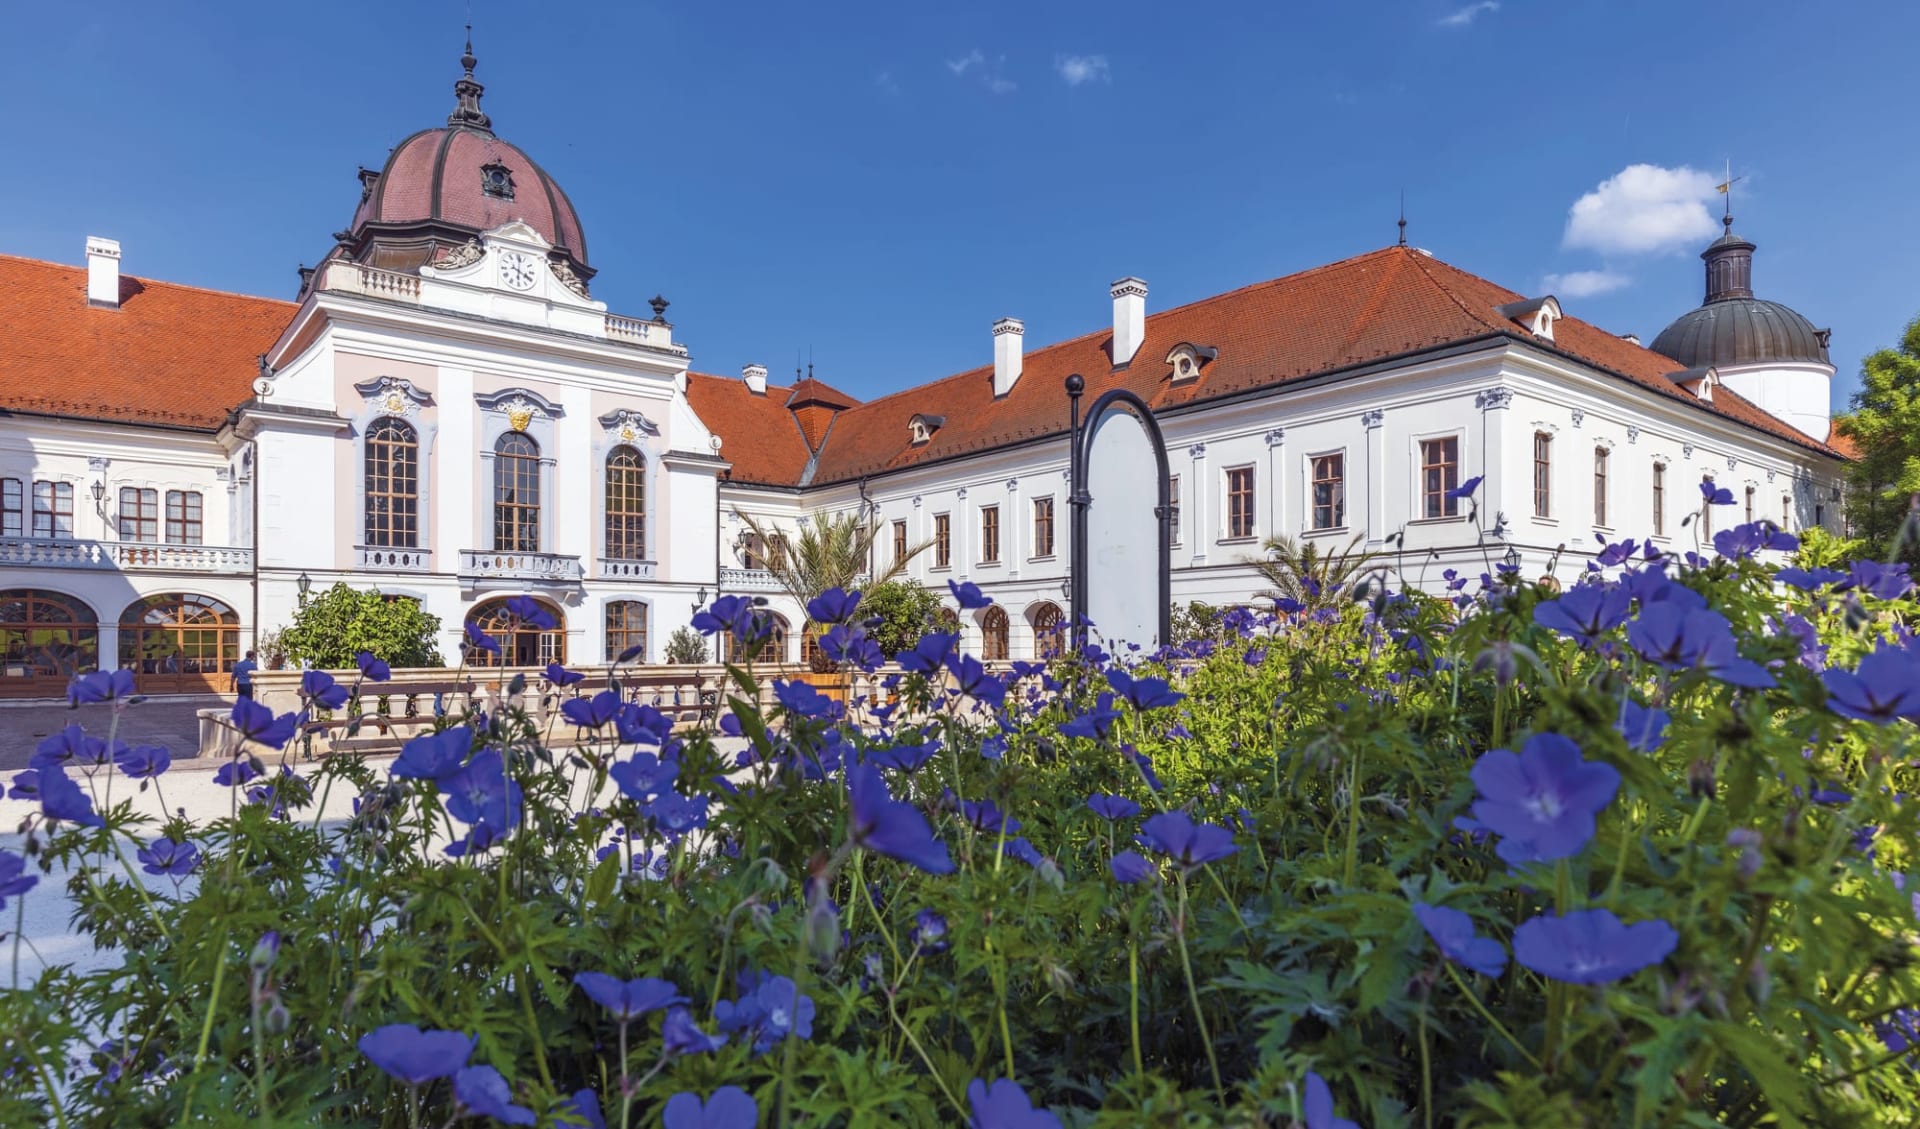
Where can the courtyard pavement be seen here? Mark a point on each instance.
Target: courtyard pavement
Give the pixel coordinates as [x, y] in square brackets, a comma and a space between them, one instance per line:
[169, 721]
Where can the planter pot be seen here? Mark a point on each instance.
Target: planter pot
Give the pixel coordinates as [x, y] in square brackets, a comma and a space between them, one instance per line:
[833, 685]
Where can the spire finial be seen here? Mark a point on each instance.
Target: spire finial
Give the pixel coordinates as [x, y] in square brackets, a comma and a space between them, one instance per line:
[466, 57]
[1725, 188]
[466, 93]
[1403, 217]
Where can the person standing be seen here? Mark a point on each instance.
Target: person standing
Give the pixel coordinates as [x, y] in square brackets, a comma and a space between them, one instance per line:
[243, 676]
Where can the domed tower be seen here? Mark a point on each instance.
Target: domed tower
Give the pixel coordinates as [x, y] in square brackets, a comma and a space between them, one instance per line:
[1762, 350]
[442, 187]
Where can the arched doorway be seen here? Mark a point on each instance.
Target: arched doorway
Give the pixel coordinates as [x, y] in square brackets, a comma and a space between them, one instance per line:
[521, 643]
[994, 632]
[774, 650]
[1048, 636]
[45, 639]
[179, 643]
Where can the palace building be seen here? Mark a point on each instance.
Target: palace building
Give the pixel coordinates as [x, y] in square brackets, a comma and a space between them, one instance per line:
[446, 413]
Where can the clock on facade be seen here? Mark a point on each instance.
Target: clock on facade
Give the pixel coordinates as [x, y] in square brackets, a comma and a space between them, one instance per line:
[517, 270]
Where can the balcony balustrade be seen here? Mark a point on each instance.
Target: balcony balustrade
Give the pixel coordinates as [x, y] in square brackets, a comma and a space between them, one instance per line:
[748, 580]
[131, 556]
[505, 564]
[627, 570]
[377, 558]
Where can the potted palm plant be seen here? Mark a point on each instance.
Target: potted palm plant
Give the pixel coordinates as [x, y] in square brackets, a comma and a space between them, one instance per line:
[1306, 578]
[832, 551]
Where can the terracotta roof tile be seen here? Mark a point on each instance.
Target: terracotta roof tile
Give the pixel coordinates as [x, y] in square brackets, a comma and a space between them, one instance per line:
[759, 436]
[171, 355]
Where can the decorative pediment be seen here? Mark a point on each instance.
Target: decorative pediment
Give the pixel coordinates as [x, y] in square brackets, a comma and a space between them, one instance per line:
[625, 425]
[393, 395]
[521, 406]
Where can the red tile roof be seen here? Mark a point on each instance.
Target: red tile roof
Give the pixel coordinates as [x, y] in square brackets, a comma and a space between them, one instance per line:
[171, 355]
[758, 435]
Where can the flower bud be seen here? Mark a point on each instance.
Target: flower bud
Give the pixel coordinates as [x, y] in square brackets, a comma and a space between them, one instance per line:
[823, 930]
[278, 1019]
[1747, 841]
[1700, 778]
[264, 951]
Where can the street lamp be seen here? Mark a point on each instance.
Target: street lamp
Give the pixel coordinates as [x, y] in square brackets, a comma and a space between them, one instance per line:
[305, 584]
[100, 497]
[700, 598]
[1513, 557]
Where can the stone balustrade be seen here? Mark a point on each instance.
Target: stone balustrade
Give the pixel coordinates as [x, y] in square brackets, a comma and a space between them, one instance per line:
[131, 556]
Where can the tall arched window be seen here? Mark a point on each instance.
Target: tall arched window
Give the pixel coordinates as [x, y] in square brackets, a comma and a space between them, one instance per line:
[626, 505]
[993, 634]
[774, 650]
[393, 484]
[179, 641]
[45, 639]
[516, 493]
[521, 643]
[1047, 636]
[627, 629]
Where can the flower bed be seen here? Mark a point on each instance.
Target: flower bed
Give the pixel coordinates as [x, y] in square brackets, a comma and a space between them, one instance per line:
[1635, 854]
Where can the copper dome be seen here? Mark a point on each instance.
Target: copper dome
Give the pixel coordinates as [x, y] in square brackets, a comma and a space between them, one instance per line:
[1732, 327]
[441, 187]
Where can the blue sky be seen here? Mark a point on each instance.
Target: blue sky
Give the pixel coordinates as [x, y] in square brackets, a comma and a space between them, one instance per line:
[877, 182]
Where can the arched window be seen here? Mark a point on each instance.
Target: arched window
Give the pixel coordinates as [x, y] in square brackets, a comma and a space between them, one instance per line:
[516, 493]
[521, 643]
[993, 634]
[1048, 639]
[626, 505]
[393, 484]
[626, 629]
[45, 639]
[179, 641]
[809, 646]
[774, 650]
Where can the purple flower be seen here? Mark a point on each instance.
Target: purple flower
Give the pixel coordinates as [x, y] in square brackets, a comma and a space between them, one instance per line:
[1809, 579]
[1590, 946]
[433, 756]
[684, 1037]
[929, 654]
[319, 687]
[675, 814]
[928, 928]
[257, 723]
[643, 776]
[1644, 727]
[985, 816]
[887, 826]
[643, 725]
[414, 1056]
[732, 614]
[1884, 688]
[833, 606]
[849, 644]
[1143, 693]
[1021, 849]
[562, 677]
[629, 999]
[594, 712]
[584, 1106]
[165, 856]
[481, 794]
[905, 758]
[480, 640]
[1005, 1106]
[373, 668]
[728, 1108]
[1108, 806]
[1175, 834]
[973, 681]
[1452, 933]
[770, 1008]
[1130, 867]
[1318, 1106]
[1096, 722]
[1882, 582]
[531, 612]
[26, 785]
[71, 745]
[800, 699]
[143, 762]
[968, 595]
[1542, 801]
[100, 686]
[1679, 637]
[14, 880]
[482, 1091]
[1584, 612]
[1465, 489]
[1715, 495]
[61, 798]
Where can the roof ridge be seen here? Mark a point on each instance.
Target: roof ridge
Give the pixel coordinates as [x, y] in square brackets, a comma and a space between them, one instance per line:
[1451, 294]
[144, 280]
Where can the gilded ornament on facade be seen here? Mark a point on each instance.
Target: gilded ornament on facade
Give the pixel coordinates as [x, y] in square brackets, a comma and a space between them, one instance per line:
[520, 413]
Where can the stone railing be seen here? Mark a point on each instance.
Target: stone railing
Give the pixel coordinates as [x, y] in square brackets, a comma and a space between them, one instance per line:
[60, 552]
[375, 558]
[506, 565]
[747, 580]
[359, 278]
[627, 570]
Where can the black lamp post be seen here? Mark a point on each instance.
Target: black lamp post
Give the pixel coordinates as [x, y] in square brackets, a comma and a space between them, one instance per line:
[1513, 557]
[304, 584]
[100, 497]
[700, 598]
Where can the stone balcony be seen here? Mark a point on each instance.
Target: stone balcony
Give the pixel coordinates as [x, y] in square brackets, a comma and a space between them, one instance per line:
[748, 580]
[627, 570]
[504, 564]
[127, 556]
[379, 558]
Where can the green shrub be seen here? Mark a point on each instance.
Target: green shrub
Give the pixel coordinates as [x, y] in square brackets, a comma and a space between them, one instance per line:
[331, 629]
[686, 646]
[906, 609]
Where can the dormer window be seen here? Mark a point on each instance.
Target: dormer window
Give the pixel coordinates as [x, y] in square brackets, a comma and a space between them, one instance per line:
[1699, 380]
[496, 179]
[1535, 315]
[1187, 359]
[921, 427]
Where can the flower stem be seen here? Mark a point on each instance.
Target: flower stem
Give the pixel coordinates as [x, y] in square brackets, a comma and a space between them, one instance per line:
[1193, 993]
[914, 1042]
[1133, 1010]
[1426, 1069]
[1491, 1021]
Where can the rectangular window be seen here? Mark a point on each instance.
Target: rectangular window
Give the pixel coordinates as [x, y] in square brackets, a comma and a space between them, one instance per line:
[1240, 501]
[139, 513]
[1819, 514]
[1706, 509]
[1542, 474]
[1600, 486]
[942, 541]
[1329, 491]
[1173, 507]
[777, 551]
[1043, 527]
[13, 507]
[1659, 499]
[899, 540]
[1439, 473]
[989, 534]
[1786, 513]
[183, 517]
[53, 509]
[1749, 505]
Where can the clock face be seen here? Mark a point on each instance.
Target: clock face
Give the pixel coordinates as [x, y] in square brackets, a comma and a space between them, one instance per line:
[517, 270]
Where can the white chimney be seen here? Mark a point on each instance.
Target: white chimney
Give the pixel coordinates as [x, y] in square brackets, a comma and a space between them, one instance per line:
[756, 378]
[103, 272]
[1129, 319]
[1009, 345]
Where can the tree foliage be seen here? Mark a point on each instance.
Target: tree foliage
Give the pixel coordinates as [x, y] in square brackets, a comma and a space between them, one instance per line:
[1310, 576]
[686, 646]
[906, 611]
[1884, 485]
[330, 629]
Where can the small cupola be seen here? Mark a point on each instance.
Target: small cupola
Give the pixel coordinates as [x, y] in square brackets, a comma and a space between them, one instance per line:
[1186, 359]
[921, 427]
[1535, 315]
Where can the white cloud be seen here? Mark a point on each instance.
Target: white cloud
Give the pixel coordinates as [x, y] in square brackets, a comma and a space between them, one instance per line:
[1000, 84]
[1644, 209]
[1586, 283]
[972, 58]
[1464, 16]
[1078, 69]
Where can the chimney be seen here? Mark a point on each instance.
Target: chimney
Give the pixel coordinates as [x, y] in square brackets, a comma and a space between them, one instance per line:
[103, 272]
[1009, 344]
[756, 378]
[1129, 319]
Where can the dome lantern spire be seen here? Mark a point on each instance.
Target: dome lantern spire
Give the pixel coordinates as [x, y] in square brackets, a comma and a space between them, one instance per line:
[467, 92]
